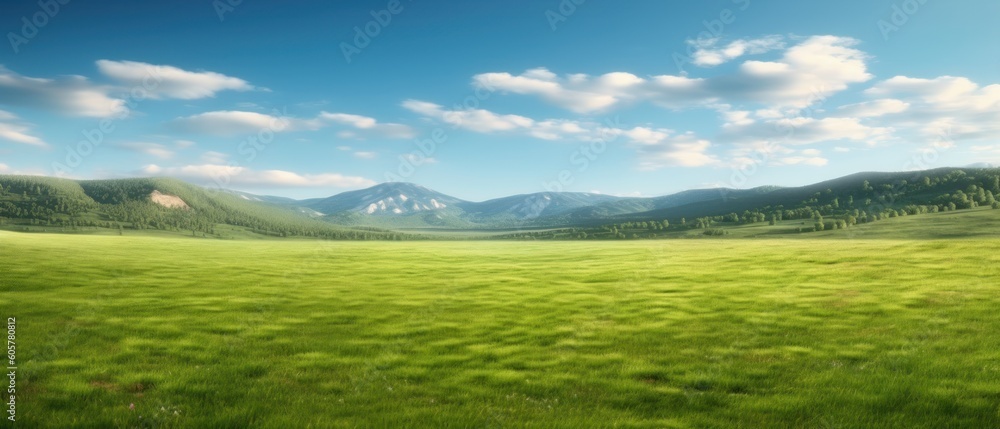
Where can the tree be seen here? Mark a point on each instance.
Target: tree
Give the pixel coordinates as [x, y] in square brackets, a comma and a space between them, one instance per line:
[996, 205]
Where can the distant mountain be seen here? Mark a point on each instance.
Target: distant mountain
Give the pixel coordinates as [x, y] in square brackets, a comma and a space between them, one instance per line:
[281, 201]
[278, 201]
[534, 206]
[982, 165]
[406, 205]
[638, 205]
[172, 205]
[392, 198]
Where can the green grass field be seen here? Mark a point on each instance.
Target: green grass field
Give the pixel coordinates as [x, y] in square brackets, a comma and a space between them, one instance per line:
[774, 333]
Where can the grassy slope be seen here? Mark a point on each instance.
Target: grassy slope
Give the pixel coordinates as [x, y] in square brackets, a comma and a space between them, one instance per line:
[971, 223]
[213, 213]
[682, 333]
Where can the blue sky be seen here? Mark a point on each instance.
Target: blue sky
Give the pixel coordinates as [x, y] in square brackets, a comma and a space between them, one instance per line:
[487, 99]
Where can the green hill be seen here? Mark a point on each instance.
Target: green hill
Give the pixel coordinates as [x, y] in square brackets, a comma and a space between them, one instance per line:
[864, 195]
[846, 203]
[158, 205]
[34, 203]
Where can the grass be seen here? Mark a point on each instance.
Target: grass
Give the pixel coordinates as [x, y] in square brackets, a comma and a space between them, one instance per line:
[666, 333]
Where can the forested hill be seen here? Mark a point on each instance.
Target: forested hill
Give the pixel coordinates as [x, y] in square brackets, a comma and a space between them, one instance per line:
[35, 203]
[837, 204]
[45, 203]
[865, 196]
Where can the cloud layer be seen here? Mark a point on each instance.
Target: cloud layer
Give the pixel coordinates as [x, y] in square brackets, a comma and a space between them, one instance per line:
[811, 70]
[13, 130]
[236, 122]
[69, 95]
[228, 175]
[162, 81]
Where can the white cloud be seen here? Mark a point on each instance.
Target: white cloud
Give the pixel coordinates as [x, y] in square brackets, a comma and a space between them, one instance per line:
[873, 108]
[806, 73]
[804, 131]
[70, 95]
[18, 134]
[486, 122]
[419, 159]
[579, 93]
[12, 130]
[646, 136]
[945, 91]
[234, 122]
[708, 54]
[226, 175]
[230, 122]
[555, 129]
[356, 121]
[366, 155]
[161, 81]
[388, 130]
[184, 144]
[947, 107]
[152, 149]
[815, 161]
[478, 120]
[774, 141]
[684, 150]
[213, 157]
[658, 147]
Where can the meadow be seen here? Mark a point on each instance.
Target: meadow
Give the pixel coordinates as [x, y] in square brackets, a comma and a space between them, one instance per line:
[160, 332]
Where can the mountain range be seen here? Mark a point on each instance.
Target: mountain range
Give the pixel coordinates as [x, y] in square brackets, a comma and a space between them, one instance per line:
[409, 205]
[383, 210]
